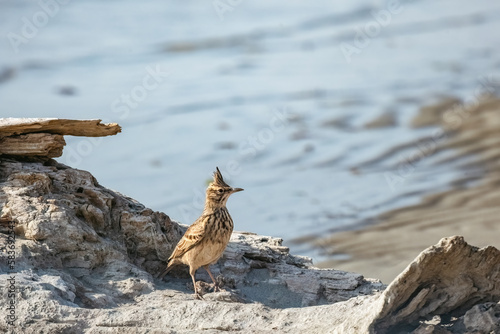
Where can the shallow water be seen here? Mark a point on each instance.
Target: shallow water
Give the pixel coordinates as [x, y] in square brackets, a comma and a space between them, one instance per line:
[263, 90]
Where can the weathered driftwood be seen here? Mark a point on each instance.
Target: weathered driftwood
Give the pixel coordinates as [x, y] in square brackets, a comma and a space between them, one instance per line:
[71, 127]
[448, 278]
[42, 137]
[33, 145]
[86, 256]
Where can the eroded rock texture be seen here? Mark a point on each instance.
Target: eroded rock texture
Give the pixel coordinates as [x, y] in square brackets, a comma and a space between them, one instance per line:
[83, 246]
[86, 256]
[446, 279]
[67, 222]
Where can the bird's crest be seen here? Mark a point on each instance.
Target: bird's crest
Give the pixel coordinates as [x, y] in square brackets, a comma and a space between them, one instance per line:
[218, 180]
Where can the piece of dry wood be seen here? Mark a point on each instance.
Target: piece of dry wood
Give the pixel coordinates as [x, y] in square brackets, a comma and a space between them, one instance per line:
[448, 278]
[86, 128]
[33, 144]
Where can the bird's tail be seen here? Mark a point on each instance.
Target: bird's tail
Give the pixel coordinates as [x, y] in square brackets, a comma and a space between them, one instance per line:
[169, 267]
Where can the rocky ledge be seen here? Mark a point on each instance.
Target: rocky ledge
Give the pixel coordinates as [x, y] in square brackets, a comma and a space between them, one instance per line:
[86, 256]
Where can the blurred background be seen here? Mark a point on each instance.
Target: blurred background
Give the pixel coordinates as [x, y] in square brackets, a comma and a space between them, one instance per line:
[300, 103]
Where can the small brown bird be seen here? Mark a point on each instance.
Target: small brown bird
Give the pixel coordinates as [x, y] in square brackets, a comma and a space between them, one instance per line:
[205, 240]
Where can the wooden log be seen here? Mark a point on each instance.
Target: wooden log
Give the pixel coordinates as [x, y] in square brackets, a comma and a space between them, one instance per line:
[86, 128]
[33, 145]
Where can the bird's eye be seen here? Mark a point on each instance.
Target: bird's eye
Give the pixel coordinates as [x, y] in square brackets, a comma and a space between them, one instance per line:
[220, 191]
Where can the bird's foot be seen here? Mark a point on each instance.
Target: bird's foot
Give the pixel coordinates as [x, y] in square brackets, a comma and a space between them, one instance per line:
[217, 287]
[200, 288]
[198, 296]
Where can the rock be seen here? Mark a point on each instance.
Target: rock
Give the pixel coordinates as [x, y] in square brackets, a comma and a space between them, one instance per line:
[430, 329]
[86, 257]
[253, 260]
[449, 278]
[484, 318]
[83, 247]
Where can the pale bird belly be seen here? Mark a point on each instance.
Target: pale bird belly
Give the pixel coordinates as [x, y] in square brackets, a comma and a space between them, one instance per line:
[205, 254]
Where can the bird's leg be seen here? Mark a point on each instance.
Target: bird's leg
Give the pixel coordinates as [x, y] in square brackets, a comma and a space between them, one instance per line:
[216, 286]
[197, 294]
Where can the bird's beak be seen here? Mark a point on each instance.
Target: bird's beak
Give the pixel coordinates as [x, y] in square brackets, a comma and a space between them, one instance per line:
[235, 190]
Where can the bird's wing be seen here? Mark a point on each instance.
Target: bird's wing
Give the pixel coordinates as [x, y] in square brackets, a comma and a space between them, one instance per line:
[193, 236]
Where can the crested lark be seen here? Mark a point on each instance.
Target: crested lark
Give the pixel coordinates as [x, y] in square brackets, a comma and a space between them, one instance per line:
[205, 240]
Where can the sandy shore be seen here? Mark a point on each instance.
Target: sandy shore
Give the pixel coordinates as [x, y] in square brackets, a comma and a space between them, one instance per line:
[471, 208]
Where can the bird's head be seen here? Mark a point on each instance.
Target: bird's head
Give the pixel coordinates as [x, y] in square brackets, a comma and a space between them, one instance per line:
[219, 191]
